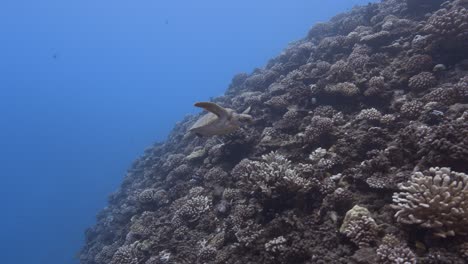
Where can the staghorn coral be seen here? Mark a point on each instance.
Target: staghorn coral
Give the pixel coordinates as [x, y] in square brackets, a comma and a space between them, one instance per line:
[435, 199]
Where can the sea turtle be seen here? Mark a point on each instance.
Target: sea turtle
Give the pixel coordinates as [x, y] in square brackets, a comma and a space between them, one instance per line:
[219, 120]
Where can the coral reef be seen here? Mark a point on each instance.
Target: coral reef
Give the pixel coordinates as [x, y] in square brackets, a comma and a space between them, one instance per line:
[357, 154]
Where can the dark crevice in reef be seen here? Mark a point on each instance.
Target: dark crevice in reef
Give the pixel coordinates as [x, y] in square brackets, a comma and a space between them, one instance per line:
[358, 154]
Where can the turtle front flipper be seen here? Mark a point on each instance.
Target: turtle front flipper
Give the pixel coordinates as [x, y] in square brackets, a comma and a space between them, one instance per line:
[213, 108]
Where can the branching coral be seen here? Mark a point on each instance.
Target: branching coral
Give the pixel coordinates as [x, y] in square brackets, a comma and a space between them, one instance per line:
[341, 71]
[318, 127]
[271, 176]
[206, 253]
[192, 209]
[376, 39]
[435, 199]
[376, 86]
[344, 89]
[411, 109]
[359, 226]
[153, 196]
[422, 81]
[448, 23]
[418, 63]
[447, 145]
[128, 254]
[443, 95]
[105, 255]
[462, 89]
[370, 114]
[463, 249]
[276, 245]
[393, 251]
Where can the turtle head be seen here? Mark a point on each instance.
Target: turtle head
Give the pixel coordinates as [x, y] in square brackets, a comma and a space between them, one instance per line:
[245, 118]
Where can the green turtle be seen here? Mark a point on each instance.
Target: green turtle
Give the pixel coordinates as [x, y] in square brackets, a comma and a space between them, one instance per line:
[219, 120]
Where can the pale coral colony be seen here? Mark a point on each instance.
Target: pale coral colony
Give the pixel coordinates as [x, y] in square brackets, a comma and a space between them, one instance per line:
[358, 154]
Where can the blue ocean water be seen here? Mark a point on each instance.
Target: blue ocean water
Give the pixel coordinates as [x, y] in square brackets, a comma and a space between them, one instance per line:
[86, 85]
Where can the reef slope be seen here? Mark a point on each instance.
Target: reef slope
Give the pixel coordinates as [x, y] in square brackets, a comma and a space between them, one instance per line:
[358, 154]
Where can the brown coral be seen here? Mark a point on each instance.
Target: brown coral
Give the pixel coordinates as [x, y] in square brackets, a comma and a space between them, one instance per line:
[418, 63]
[422, 81]
[448, 23]
[344, 89]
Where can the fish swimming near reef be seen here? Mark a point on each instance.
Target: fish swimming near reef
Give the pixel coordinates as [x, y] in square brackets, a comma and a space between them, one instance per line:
[219, 120]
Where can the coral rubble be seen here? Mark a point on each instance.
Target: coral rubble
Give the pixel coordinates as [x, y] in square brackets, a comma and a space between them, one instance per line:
[357, 154]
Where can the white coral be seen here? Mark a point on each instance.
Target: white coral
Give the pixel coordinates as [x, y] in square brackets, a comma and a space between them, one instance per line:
[318, 154]
[273, 175]
[437, 199]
